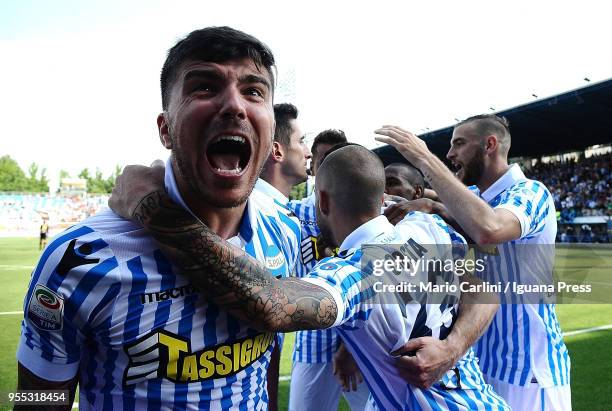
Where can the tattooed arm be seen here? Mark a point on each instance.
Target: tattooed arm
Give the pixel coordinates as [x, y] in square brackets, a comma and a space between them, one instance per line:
[230, 277]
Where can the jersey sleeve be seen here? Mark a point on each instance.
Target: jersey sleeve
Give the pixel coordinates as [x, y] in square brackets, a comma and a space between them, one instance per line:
[69, 293]
[343, 281]
[529, 202]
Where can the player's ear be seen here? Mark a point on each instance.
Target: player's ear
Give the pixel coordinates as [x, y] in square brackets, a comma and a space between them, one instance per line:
[277, 152]
[418, 192]
[323, 202]
[164, 130]
[491, 143]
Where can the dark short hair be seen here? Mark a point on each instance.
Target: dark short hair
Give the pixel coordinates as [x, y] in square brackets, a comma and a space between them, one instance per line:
[412, 174]
[283, 114]
[331, 137]
[486, 124]
[217, 45]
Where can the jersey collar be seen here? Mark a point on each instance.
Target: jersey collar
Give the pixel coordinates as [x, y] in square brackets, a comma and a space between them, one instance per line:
[366, 232]
[271, 191]
[509, 178]
[245, 229]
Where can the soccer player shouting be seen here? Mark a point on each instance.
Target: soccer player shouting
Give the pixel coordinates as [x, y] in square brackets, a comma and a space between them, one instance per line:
[522, 354]
[107, 310]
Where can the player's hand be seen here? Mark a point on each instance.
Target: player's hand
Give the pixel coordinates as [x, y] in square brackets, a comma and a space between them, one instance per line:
[409, 145]
[346, 370]
[396, 212]
[423, 361]
[390, 199]
[133, 184]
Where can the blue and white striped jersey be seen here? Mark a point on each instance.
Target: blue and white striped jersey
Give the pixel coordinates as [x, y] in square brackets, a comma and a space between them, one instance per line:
[104, 303]
[311, 346]
[371, 330]
[524, 342]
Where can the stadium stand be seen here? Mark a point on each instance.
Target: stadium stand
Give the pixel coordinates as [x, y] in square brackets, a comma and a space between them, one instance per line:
[22, 214]
[565, 142]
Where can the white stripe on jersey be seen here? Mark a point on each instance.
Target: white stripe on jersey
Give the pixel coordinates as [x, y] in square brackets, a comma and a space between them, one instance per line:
[371, 331]
[123, 300]
[523, 342]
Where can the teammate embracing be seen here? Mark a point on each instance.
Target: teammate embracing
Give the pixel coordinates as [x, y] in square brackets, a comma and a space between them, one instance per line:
[348, 214]
[522, 354]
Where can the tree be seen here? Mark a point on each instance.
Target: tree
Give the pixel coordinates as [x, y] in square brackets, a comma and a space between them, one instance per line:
[12, 177]
[98, 184]
[298, 192]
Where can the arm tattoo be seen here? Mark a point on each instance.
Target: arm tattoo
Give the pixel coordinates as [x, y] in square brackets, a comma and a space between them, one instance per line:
[230, 277]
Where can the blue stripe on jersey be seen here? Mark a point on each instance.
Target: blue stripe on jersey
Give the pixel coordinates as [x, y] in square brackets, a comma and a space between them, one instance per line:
[86, 285]
[90, 372]
[91, 365]
[74, 302]
[162, 313]
[380, 387]
[210, 339]
[515, 337]
[109, 366]
[132, 323]
[54, 245]
[496, 342]
[431, 401]
[527, 347]
[504, 352]
[111, 355]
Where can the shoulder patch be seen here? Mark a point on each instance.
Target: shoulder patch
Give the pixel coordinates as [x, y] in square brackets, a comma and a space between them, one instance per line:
[46, 309]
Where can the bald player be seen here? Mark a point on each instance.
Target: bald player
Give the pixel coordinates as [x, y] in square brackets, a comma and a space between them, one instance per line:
[330, 296]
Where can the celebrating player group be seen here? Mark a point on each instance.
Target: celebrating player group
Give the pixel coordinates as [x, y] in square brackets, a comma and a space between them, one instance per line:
[179, 295]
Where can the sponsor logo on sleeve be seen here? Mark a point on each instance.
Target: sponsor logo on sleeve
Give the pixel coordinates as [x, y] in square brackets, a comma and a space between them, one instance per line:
[275, 262]
[46, 309]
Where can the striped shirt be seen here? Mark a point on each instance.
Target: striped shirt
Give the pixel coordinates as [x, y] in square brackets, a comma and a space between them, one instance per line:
[371, 331]
[524, 342]
[104, 303]
[311, 346]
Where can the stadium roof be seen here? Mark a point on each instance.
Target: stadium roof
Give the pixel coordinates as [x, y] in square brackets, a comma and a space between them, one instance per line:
[569, 121]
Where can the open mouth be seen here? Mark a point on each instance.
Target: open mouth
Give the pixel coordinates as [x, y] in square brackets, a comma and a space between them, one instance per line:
[229, 154]
[455, 167]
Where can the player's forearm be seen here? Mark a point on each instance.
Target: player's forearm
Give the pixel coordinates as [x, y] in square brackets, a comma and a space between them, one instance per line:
[230, 277]
[474, 216]
[476, 310]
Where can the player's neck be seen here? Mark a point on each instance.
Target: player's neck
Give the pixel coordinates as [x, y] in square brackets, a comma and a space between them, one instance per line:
[276, 179]
[279, 182]
[492, 173]
[225, 221]
[345, 226]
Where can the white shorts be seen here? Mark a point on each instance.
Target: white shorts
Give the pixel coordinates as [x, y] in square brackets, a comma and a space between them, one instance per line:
[532, 397]
[315, 388]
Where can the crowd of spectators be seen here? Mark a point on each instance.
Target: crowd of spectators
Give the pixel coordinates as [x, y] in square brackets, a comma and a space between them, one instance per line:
[580, 188]
[22, 214]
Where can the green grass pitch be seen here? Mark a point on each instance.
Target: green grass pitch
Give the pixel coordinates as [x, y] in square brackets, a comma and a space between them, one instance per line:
[590, 352]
